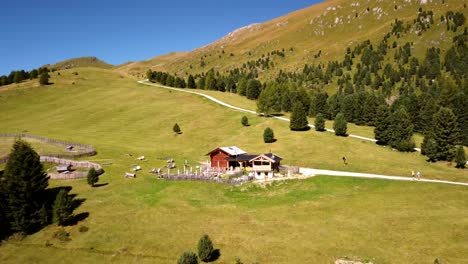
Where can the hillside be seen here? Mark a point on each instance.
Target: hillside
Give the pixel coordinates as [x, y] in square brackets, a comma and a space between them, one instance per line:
[319, 33]
[80, 62]
[148, 220]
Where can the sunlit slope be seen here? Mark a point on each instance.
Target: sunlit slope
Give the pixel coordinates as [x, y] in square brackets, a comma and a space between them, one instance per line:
[327, 29]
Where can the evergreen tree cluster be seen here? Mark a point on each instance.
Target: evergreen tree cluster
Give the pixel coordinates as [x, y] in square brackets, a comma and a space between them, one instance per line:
[368, 78]
[26, 205]
[21, 75]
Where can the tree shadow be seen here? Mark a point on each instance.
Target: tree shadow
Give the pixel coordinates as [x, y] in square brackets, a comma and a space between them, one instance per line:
[302, 129]
[51, 196]
[100, 185]
[215, 255]
[77, 218]
[272, 141]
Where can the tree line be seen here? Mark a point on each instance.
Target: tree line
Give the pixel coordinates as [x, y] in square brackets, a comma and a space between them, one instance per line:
[407, 90]
[21, 75]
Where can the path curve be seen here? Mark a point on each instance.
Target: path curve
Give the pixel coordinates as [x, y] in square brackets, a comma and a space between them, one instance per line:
[312, 172]
[145, 82]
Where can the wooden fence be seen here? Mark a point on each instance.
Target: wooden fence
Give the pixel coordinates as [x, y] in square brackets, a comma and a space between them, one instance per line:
[73, 174]
[201, 177]
[83, 150]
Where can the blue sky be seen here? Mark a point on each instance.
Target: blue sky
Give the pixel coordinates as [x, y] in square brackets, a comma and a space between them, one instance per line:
[38, 32]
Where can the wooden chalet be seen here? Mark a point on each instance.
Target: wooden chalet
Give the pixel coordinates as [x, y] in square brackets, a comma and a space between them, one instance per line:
[223, 158]
[233, 158]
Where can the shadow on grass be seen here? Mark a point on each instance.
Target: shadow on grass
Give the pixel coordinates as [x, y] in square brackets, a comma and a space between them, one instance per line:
[77, 218]
[100, 185]
[215, 255]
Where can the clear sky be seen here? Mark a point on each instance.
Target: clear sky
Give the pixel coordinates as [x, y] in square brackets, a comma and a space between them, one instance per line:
[48, 31]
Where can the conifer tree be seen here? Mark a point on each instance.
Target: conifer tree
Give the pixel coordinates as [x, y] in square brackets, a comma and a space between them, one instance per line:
[401, 130]
[268, 135]
[191, 82]
[298, 120]
[430, 149]
[24, 184]
[92, 177]
[254, 87]
[319, 123]
[445, 133]
[205, 248]
[340, 125]
[210, 82]
[62, 209]
[460, 158]
[176, 128]
[149, 75]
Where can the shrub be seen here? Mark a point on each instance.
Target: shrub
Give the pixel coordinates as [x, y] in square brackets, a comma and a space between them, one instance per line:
[62, 235]
[245, 121]
[83, 229]
[188, 257]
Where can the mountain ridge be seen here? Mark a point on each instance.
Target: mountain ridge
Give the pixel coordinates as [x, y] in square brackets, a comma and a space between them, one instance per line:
[327, 28]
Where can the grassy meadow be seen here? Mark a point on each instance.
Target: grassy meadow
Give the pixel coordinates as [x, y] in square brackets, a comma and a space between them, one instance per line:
[145, 220]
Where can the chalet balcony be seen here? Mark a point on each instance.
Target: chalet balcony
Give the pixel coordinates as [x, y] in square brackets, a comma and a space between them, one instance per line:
[261, 168]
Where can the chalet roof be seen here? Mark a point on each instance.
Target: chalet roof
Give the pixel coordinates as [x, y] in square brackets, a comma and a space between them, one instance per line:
[273, 156]
[242, 157]
[232, 150]
[269, 156]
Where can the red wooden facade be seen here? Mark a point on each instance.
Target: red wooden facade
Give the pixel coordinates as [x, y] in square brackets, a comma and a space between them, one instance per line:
[218, 159]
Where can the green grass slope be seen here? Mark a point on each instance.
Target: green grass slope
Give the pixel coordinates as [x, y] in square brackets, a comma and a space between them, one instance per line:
[329, 27]
[146, 220]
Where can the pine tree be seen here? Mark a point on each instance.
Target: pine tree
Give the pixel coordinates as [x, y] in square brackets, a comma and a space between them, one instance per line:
[188, 257]
[460, 158]
[24, 184]
[62, 209]
[268, 135]
[4, 223]
[205, 248]
[340, 125]
[92, 177]
[430, 149]
[319, 123]
[298, 120]
[400, 130]
[210, 82]
[254, 87]
[149, 75]
[191, 82]
[176, 128]
[44, 79]
[445, 133]
[245, 121]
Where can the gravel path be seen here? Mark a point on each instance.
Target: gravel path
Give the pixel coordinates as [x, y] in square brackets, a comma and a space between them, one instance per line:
[308, 172]
[145, 82]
